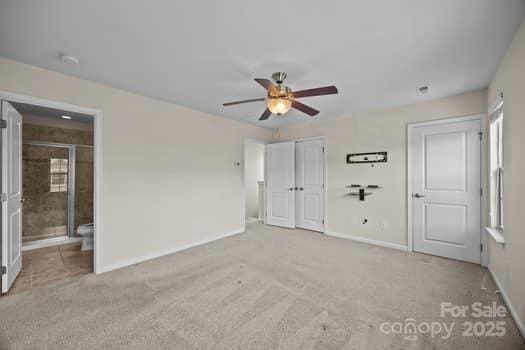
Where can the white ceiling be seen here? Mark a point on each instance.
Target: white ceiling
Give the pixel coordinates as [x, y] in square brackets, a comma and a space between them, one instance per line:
[203, 53]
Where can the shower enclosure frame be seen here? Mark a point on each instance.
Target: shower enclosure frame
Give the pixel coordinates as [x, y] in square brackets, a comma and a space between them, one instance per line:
[71, 168]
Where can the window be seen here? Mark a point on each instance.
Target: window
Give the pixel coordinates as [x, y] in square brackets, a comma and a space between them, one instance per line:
[58, 171]
[496, 167]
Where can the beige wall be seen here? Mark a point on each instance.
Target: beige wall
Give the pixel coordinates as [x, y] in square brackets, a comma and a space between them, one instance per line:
[369, 132]
[254, 171]
[508, 262]
[168, 179]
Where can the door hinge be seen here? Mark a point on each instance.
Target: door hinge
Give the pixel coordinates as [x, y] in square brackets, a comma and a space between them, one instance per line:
[480, 135]
[481, 247]
[3, 270]
[481, 192]
[323, 221]
[323, 149]
[3, 124]
[3, 197]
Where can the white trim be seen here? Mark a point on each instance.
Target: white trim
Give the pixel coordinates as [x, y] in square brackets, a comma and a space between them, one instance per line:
[376, 242]
[483, 176]
[251, 220]
[143, 258]
[259, 142]
[496, 235]
[495, 104]
[97, 161]
[51, 242]
[510, 307]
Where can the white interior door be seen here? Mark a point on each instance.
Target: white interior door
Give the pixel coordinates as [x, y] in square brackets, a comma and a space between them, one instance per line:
[309, 185]
[11, 195]
[446, 189]
[280, 183]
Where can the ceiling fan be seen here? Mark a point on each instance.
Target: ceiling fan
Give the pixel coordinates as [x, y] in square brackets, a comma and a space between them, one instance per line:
[281, 98]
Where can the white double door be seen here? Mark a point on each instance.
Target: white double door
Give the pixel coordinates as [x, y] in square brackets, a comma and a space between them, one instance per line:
[295, 184]
[446, 189]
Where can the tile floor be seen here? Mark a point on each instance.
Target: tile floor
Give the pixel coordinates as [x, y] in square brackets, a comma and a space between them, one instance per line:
[47, 265]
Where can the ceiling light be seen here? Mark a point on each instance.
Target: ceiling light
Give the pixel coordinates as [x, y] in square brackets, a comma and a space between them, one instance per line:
[279, 106]
[423, 89]
[69, 59]
[66, 117]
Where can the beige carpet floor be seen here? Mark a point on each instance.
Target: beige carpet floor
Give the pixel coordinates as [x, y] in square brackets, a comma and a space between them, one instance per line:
[268, 288]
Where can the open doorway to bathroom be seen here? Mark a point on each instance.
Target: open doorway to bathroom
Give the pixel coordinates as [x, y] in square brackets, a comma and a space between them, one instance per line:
[254, 153]
[56, 214]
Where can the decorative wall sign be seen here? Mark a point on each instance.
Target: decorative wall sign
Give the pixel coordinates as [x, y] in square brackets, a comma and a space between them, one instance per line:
[362, 158]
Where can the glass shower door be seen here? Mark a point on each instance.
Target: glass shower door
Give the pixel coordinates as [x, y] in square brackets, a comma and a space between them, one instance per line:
[45, 190]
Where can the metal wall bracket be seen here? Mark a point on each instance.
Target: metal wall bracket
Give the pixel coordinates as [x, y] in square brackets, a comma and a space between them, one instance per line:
[362, 194]
[361, 190]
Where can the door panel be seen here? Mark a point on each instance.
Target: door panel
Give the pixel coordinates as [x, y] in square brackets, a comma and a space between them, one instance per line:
[309, 178]
[446, 223]
[11, 186]
[445, 173]
[446, 185]
[280, 183]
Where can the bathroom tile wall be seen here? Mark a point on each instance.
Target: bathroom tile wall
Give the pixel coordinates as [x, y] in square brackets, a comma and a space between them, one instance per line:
[45, 211]
[84, 186]
[32, 132]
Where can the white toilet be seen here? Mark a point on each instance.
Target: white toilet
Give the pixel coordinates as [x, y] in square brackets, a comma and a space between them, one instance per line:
[86, 231]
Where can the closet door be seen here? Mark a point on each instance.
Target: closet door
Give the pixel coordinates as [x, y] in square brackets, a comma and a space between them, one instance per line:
[309, 182]
[280, 184]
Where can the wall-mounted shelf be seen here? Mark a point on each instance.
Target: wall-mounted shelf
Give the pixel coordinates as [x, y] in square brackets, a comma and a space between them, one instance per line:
[362, 190]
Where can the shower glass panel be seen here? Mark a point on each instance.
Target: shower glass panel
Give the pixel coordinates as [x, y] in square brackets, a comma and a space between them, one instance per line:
[83, 185]
[45, 190]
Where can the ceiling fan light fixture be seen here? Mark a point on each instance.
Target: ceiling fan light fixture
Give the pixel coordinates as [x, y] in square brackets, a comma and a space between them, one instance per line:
[279, 106]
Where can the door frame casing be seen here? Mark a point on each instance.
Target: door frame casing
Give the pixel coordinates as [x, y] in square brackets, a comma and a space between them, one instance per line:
[97, 161]
[483, 177]
[325, 173]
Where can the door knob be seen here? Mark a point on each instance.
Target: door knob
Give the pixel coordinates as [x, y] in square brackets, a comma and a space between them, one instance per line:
[301, 189]
[417, 195]
[297, 188]
[290, 189]
[22, 200]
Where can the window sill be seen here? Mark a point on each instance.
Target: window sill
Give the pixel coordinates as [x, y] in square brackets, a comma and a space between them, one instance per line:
[496, 235]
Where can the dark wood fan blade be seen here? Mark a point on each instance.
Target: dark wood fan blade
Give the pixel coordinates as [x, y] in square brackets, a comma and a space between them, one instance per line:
[267, 84]
[327, 90]
[304, 108]
[244, 101]
[266, 114]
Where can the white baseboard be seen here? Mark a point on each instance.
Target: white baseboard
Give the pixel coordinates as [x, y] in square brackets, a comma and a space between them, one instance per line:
[368, 240]
[251, 220]
[506, 299]
[166, 252]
